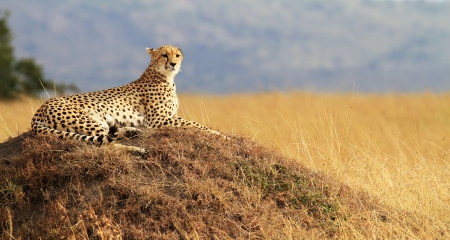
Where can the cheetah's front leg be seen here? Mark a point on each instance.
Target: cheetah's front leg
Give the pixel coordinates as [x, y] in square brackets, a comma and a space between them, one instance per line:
[128, 132]
[180, 122]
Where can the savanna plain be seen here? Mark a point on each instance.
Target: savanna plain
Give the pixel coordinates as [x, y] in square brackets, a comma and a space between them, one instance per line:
[396, 147]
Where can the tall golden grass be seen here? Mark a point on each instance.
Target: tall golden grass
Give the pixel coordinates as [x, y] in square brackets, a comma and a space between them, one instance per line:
[395, 146]
[15, 116]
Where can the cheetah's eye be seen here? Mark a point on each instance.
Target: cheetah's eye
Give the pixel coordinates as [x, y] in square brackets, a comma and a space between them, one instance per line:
[164, 55]
[178, 55]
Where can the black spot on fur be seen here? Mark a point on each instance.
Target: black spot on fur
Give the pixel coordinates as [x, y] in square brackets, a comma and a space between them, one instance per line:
[113, 130]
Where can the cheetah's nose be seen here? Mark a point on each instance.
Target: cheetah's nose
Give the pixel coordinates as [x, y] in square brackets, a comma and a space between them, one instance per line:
[173, 64]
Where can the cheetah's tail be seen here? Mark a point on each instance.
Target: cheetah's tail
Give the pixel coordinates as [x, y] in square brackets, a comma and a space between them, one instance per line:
[39, 127]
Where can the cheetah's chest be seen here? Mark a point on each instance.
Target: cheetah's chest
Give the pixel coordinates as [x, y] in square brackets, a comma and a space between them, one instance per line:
[173, 103]
[164, 101]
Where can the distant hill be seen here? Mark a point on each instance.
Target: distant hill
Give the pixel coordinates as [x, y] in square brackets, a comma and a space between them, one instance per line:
[242, 45]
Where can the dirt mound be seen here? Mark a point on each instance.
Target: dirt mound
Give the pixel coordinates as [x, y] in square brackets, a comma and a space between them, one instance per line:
[192, 185]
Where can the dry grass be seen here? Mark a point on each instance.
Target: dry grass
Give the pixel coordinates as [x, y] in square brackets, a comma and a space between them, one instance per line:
[395, 147]
[193, 185]
[15, 117]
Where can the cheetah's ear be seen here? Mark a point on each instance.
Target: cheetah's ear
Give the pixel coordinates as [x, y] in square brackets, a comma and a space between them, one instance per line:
[150, 51]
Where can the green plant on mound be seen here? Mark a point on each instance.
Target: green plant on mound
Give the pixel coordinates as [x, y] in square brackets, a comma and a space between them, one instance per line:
[192, 186]
[11, 193]
[288, 189]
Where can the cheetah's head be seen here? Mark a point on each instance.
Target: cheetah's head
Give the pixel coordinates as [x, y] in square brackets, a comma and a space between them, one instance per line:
[166, 60]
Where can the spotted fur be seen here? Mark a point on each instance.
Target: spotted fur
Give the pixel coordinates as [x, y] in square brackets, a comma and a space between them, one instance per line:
[102, 116]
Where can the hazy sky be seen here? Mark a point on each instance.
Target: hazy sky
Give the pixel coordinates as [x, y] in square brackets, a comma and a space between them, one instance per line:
[240, 45]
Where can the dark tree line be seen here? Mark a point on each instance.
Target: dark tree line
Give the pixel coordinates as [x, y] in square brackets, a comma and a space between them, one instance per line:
[23, 76]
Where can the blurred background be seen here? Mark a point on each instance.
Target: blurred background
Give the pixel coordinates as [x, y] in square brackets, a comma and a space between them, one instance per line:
[241, 46]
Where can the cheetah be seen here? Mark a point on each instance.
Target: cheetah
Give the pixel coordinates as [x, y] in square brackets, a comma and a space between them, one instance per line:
[101, 117]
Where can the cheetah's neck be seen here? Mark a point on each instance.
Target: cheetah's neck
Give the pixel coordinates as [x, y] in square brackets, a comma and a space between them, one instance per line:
[150, 75]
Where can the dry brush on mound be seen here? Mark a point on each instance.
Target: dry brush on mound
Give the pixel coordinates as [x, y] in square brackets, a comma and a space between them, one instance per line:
[191, 186]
